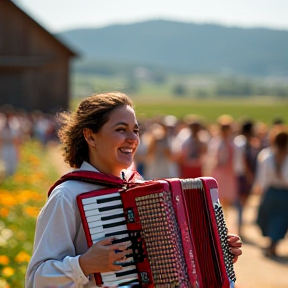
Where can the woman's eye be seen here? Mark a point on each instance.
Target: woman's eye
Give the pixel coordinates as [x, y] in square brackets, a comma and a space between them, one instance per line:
[120, 130]
[136, 131]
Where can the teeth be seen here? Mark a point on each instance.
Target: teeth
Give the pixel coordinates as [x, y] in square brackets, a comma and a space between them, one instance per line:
[127, 151]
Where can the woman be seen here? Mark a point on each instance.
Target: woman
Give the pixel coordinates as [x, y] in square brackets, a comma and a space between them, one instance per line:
[272, 181]
[194, 149]
[221, 152]
[102, 136]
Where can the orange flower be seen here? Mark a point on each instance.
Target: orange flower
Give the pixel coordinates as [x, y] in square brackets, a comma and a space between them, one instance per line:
[7, 272]
[22, 257]
[4, 260]
[32, 211]
[8, 200]
[4, 212]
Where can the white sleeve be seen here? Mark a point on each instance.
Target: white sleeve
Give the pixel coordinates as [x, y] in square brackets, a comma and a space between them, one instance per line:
[54, 262]
[262, 178]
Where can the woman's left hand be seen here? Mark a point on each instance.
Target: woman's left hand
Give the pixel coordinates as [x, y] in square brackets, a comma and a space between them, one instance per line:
[235, 245]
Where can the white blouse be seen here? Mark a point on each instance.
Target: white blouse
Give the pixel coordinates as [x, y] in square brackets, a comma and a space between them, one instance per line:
[266, 173]
[60, 239]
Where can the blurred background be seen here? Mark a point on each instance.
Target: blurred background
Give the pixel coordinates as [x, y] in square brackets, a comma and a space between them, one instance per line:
[190, 69]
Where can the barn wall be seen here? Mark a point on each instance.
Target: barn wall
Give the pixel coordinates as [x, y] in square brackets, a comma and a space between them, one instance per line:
[34, 65]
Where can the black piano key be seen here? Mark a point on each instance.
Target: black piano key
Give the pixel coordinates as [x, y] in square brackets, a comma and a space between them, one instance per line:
[105, 218]
[105, 226]
[120, 274]
[126, 264]
[121, 240]
[116, 233]
[130, 284]
[105, 200]
[103, 209]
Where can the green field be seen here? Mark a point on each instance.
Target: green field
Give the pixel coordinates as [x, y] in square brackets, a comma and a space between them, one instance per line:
[157, 99]
[257, 109]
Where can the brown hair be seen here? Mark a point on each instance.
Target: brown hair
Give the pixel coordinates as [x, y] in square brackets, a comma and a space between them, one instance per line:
[279, 140]
[93, 112]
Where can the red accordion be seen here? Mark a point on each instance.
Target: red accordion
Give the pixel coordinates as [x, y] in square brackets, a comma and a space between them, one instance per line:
[176, 227]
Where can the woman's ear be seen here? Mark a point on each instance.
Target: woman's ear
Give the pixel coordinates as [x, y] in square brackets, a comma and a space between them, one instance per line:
[88, 135]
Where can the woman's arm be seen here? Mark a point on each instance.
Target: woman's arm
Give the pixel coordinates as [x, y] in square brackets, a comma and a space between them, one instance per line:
[54, 261]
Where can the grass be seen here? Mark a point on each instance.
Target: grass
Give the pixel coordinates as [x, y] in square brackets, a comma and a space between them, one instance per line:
[258, 109]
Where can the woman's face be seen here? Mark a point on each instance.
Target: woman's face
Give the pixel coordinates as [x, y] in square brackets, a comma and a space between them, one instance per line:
[116, 142]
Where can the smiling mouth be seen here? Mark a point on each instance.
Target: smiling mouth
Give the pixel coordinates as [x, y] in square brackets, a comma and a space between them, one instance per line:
[126, 151]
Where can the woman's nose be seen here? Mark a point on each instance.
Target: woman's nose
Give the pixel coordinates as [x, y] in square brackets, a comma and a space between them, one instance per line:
[133, 137]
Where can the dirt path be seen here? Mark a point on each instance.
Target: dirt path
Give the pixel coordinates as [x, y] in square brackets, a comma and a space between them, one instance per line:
[253, 270]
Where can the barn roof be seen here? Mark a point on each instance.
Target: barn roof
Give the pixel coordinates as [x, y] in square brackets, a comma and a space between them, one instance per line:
[59, 42]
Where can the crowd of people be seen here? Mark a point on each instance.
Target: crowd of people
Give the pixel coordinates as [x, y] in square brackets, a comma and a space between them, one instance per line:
[16, 126]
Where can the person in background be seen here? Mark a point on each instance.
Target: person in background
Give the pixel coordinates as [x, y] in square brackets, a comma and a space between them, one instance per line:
[102, 136]
[247, 147]
[10, 140]
[194, 149]
[221, 156]
[159, 158]
[272, 183]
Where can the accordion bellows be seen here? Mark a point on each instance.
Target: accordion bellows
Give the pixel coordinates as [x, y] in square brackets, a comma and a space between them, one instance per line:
[176, 227]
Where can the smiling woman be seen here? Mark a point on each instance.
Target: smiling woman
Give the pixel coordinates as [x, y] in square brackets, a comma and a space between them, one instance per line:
[99, 139]
[101, 136]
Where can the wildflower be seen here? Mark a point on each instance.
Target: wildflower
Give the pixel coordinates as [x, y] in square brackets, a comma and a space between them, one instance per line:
[8, 200]
[6, 233]
[4, 212]
[4, 260]
[4, 284]
[22, 257]
[32, 211]
[7, 272]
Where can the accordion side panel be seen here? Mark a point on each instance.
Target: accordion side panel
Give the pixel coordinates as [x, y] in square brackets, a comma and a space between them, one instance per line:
[193, 269]
[204, 230]
[219, 225]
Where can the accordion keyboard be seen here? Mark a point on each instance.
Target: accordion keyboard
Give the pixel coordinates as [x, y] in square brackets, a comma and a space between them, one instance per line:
[105, 218]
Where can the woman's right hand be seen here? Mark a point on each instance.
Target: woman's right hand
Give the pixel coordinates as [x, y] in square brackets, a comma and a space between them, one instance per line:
[102, 255]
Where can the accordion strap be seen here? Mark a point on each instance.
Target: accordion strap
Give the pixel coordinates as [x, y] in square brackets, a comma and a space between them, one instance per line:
[95, 178]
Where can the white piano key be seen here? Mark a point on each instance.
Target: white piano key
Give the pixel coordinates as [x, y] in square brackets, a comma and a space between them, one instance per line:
[100, 229]
[102, 205]
[97, 237]
[117, 280]
[98, 216]
[101, 223]
[95, 198]
[111, 277]
[108, 274]
[92, 213]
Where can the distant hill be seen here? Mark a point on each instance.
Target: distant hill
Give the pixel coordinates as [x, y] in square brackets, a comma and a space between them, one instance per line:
[185, 47]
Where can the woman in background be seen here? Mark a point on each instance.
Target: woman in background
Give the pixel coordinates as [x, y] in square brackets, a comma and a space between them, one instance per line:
[272, 181]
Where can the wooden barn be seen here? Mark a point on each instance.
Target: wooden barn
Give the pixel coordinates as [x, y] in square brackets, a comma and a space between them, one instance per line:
[34, 65]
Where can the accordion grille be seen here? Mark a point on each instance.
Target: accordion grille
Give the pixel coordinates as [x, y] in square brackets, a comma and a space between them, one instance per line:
[163, 244]
[223, 234]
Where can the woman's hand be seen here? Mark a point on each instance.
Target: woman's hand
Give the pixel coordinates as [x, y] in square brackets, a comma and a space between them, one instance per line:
[235, 245]
[101, 256]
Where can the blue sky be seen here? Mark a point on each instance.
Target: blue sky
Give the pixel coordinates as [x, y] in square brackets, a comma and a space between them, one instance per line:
[59, 15]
